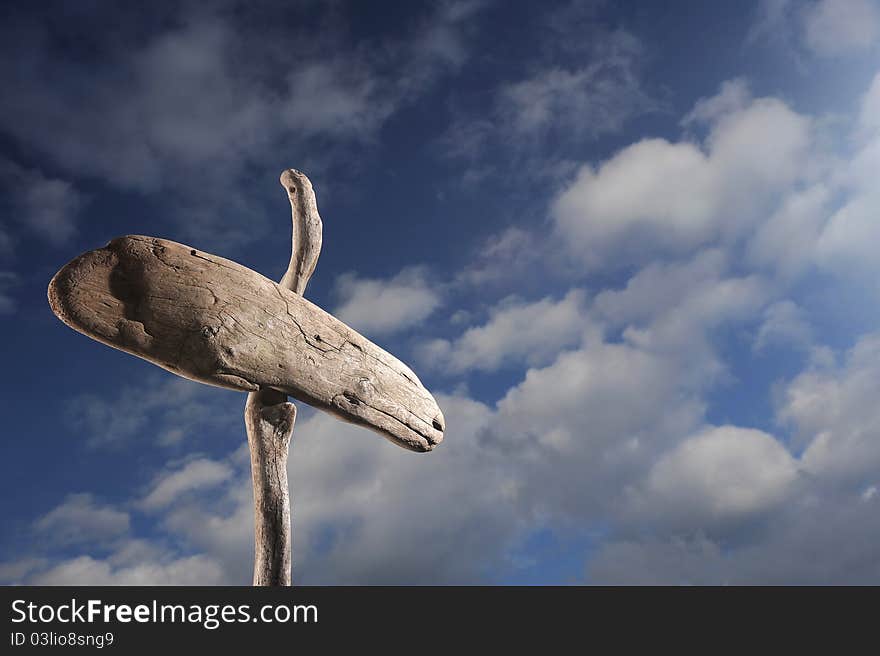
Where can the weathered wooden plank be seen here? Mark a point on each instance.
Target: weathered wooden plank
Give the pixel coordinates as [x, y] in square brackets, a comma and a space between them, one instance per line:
[215, 321]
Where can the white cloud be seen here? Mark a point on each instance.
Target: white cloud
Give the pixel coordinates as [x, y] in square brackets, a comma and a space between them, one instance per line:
[663, 288]
[383, 307]
[195, 475]
[661, 197]
[186, 97]
[823, 28]
[835, 415]
[366, 511]
[204, 98]
[846, 240]
[734, 96]
[516, 331]
[607, 424]
[189, 104]
[718, 473]
[563, 446]
[784, 324]
[869, 115]
[637, 190]
[677, 561]
[576, 433]
[844, 244]
[359, 491]
[675, 309]
[600, 395]
[81, 519]
[785, 242]
[791, 547]
[839, 27]
[732, 506]
[86, 570]
[14, 571]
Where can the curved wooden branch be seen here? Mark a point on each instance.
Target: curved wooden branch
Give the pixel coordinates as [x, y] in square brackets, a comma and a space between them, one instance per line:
[269, 417]
[215, 321]
[307, 231]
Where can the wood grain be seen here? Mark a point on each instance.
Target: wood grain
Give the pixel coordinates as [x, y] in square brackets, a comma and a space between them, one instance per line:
[268, 416]
[215, 321]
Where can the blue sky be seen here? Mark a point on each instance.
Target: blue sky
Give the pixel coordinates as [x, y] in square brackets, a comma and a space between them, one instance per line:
[631, 248]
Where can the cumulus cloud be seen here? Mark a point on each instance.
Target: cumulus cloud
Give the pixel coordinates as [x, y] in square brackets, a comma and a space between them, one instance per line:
[785, 242]
[351, 492]
[602, 394]
[677, 308]
[194, 104]
[14, 571]
[198, 474]
[578, 431]
[606, 430]
[657, 196]
[793, 548]
[838, 27]
[604, 422]
[751, 517]
[194, 93]
[834, 416]
[86, 570]
[869, 115]
[733, 96]
[844, 241]
[821, 28]
[382, 307]
[516, 331]
[721, 472]
[80, 518]
[785, 324]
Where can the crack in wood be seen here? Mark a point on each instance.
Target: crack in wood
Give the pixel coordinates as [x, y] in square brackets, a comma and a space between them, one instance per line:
[212, 320]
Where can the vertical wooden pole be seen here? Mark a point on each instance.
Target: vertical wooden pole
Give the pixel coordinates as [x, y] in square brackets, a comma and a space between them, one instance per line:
[269, 416]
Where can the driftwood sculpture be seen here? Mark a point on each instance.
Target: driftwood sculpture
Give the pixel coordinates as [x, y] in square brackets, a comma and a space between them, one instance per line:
[212, 320]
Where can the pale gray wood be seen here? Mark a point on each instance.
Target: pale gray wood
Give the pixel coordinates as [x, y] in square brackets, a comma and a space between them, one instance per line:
[307, 231]
[212, 320]
[269, 417]
[209, 319]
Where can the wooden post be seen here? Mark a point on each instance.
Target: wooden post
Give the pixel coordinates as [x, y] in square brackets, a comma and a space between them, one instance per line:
[211, 320]
[268, 415]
